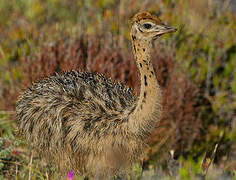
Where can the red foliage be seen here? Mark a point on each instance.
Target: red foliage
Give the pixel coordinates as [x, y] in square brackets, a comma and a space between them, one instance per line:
[180, 125]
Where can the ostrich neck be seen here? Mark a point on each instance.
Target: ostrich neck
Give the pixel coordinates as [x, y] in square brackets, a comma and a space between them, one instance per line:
[148, 106]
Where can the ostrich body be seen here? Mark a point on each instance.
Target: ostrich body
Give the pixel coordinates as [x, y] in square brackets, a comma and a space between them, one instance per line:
[84, 122]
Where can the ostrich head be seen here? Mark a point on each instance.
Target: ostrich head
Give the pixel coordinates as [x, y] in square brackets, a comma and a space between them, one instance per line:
[148, 27]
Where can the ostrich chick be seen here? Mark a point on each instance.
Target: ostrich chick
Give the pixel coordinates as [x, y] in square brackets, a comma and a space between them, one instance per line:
[96, 127]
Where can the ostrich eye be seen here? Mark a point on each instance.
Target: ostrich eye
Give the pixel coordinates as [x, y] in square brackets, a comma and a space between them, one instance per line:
[147, 26]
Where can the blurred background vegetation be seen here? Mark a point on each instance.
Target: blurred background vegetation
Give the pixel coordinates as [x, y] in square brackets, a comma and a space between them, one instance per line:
[195, 67]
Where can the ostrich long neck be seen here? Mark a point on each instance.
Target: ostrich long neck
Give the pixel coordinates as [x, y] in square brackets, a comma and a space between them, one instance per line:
[148, 109]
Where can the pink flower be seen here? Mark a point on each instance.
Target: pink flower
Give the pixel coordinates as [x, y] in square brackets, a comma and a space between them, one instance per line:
[70, 175]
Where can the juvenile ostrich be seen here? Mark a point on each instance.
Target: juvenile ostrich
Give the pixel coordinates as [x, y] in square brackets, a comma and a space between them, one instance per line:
[92, 125]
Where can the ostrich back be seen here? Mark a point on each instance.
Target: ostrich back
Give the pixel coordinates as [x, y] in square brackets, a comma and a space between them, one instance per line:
[80, 121]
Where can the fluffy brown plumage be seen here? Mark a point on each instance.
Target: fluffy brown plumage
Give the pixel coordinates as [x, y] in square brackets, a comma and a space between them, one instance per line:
[84, 122]
[80, 114]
